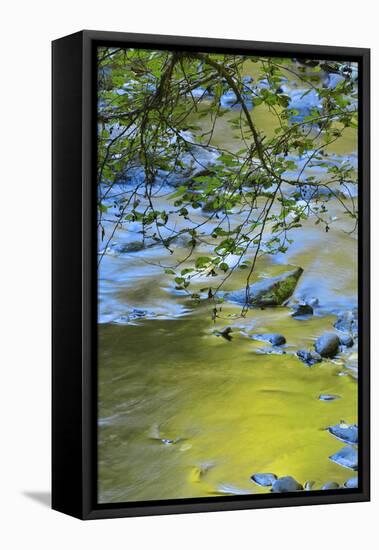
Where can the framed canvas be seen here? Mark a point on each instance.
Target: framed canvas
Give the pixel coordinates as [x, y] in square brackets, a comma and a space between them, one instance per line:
[210, 275]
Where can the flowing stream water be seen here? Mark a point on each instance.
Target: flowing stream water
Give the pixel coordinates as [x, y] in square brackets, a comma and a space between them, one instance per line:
[185, 413]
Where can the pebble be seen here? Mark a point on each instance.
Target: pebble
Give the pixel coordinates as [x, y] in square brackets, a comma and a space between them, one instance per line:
[286, 484]
[327, 345]
[330, 485]
[265, 480]
[348, 433]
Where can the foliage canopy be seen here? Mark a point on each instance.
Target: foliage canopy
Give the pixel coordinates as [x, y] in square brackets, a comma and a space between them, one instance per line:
[151, 105]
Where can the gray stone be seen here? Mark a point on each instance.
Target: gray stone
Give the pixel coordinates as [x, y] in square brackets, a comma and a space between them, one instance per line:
[327, 345]
[347, 340]
[300, 310]
[310, 358]
[126, 248]
[274, 339]
[330, 485]
[309, 485]
[268, 292]
[286, 484]
[134, 315]
[348, 321]
[225, 333]
[348, 433]
[265, 480]
[328, 397]
[347, 457]
[351, 483]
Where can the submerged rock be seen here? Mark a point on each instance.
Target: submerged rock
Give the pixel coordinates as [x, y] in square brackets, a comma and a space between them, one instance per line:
[327, 345]
[268, 292]
[330, 485]
[302, 101]
[346, 457]
[351, 483]
[265, 480]
[348, 433]
[125, 248]
[301, 310]
[328, 397]
[286, 484]
[212, 205]
[224, 333]
[309, 192]
[309, 357]
[274, 339]
[134, 315]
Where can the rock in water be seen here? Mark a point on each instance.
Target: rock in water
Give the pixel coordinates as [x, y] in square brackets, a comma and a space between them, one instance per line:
[328, 397]
[347, 341]
[347, 457]
[286, 484]
[348, 433]
[351, 483]
[327, 345]
[300, 310]
[268, 292]
[274, 339]
[265, 480]
[309, 357]
[225, 333]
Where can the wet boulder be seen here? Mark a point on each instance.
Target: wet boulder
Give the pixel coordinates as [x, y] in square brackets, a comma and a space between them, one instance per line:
[348, 433]
[271, 291]
[310, 358]
[330, 485]
[302, 102]
[347, 340]
[351, 483]
[327, 345]
[265, 480]
[286, 484]
[274, 339]
[346, 457]
[348, 322]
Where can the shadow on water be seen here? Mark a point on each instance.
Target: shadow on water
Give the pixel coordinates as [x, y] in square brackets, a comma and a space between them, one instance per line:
[41, 497]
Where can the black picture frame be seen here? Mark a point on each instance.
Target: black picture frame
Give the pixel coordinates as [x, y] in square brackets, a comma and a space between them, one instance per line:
[74, 404]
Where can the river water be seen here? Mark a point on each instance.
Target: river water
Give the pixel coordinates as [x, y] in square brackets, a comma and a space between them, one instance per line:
[185, 413]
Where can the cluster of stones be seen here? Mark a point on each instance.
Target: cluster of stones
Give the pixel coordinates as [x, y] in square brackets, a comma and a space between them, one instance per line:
[346, 457]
